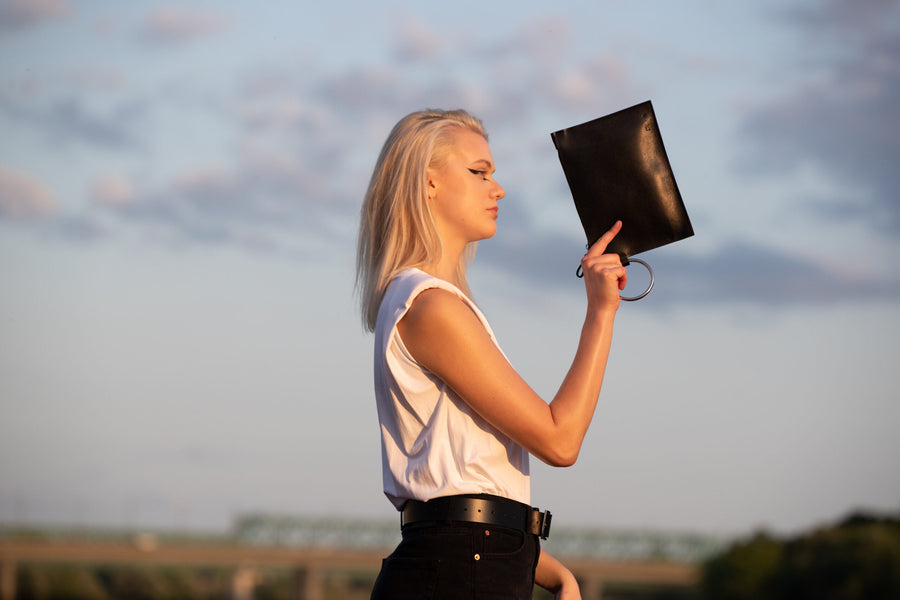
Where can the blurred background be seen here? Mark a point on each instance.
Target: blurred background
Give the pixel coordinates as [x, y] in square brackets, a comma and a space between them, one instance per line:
[179, 188]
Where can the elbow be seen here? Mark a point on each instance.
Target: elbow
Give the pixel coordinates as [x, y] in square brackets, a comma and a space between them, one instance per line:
[559, 446]
[561, 457]
[566, 460]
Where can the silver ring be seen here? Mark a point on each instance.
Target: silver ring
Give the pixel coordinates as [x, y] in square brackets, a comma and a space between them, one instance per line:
[649, 287]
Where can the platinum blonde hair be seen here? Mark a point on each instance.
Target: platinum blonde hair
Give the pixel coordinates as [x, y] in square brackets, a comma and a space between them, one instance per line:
[396, 229]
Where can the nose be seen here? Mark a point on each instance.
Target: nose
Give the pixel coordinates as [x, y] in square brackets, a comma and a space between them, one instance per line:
[498, 192]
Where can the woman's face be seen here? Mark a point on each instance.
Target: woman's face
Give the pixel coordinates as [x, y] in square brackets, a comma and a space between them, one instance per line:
[463, 193]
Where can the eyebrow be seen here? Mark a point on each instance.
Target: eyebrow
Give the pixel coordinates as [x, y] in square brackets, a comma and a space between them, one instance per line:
[486, 163]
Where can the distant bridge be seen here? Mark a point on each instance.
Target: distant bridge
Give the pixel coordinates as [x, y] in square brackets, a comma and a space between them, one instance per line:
[582, 542]
[312, 548]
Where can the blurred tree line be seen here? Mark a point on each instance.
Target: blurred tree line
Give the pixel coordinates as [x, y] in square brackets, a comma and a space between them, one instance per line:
[42, 581]
[85, 582]
[857, 559]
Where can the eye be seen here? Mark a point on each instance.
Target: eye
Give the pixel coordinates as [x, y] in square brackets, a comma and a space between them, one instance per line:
[480, 173]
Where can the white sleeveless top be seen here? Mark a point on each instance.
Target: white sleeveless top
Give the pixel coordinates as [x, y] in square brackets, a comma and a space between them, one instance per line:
[432, 443]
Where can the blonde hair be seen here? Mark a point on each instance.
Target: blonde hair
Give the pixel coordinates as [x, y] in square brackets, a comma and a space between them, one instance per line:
[396, 229]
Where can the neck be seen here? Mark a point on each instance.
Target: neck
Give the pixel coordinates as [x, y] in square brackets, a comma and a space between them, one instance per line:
[442, 271]
[446, 267]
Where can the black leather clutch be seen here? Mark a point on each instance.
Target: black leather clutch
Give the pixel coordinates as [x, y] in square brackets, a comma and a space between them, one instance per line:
[617, 169]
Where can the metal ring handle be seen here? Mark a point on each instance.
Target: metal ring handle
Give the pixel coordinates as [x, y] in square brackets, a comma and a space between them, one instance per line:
[649, 287]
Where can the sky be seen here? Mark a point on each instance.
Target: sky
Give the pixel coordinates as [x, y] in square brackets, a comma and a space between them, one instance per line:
[179, 192]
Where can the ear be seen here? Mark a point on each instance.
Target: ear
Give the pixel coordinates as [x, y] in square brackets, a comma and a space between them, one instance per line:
[430, 182]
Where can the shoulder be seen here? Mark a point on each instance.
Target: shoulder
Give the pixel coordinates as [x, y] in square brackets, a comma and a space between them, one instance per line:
[401, 292]
[438, 323]
[408, 284]
[421, 292]
[437, 308]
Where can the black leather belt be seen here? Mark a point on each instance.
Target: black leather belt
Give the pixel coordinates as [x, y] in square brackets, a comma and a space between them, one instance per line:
[478, 510]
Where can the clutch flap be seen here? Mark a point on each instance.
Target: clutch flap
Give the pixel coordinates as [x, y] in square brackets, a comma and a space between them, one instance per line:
[617, 169]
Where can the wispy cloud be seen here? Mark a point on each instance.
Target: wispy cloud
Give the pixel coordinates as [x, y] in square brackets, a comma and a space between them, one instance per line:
[23, 197]
[69, 120]
[414, 41]
[19, 15]
[743, 271]
[738, 271]
[843, 114]
[174, 25]
[111, 189]
[304, 139]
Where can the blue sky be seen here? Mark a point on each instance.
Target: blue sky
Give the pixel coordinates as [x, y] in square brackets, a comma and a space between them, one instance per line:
[179, 185]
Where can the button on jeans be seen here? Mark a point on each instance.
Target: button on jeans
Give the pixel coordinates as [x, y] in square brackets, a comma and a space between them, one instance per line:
[459, 561]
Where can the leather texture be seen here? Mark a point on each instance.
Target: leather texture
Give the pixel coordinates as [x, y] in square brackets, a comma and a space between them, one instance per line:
[479, 509]
[617, 169]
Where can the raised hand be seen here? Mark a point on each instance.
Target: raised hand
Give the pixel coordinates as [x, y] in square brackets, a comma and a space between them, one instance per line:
[604, 275]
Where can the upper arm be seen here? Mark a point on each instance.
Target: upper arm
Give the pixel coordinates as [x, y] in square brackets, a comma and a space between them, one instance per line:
[444, 335]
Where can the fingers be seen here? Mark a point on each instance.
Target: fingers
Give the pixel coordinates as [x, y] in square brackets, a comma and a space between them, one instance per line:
[604, 275]
[599, 247]
[604, 279]
[610, 271]
[600, 262]
[605, 267]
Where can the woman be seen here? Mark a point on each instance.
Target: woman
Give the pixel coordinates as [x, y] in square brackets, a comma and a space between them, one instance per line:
[457, 421]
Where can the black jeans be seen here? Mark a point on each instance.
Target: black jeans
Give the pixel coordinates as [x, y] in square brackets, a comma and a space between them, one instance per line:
[459, 561]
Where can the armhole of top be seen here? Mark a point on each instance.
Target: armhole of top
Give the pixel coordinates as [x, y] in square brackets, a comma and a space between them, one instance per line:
[431, 284]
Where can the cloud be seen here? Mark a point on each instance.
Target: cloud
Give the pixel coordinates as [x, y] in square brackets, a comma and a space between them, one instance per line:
[305, 140]
[112, 190]
[69, 119]
[171, 25]
[78, 228]
[263, 202]
[22, 197]
[503, 79]
[859, 17]
[748, 272]
[742, 272]
[843, 115]
[25, 199]
[18, 15]
[414, 41]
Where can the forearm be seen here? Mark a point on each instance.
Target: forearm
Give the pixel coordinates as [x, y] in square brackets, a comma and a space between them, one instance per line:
[553, 576]
[572, 408]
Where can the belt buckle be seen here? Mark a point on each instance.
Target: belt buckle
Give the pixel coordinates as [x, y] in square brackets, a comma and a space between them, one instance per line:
[545, 525]
[540, 523]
